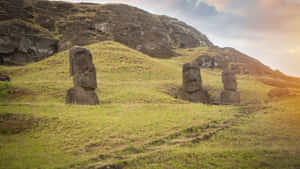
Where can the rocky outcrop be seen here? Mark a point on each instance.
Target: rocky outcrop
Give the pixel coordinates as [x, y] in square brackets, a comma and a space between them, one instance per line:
[4, 78]
[229, 95]
[13, 9]
[84, 78]
[192, 84]
[22, 42]
[182, 35]
[31, 30]
[237, 62]
[83, 24]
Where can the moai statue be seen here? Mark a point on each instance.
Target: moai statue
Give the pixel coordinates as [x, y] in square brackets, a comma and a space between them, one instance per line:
[192, 84]
[229, 95]
[84, 78]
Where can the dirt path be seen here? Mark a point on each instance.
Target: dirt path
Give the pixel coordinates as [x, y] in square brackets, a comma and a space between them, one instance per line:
[191, 135]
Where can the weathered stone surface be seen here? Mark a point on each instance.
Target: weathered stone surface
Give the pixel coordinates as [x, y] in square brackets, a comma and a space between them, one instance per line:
[81, 60]
[13, 9]
[4, 78]
[239, 63]
[87, 23]
[20, 43]
[230, 97]
[229, 81]
[198, 96]
[82, 96]
[192, 84]
[191, 77]
[82, 68]
[207, 61]
[46, 22]
[84, 77]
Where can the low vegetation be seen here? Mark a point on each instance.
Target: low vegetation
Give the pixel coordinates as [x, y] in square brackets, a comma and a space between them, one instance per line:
[141, 122]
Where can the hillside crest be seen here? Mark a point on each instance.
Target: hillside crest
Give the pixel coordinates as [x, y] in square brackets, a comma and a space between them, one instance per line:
[68, 24]
[31, 30]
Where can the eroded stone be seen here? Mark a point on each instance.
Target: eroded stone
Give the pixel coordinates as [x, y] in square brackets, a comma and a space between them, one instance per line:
[230, 97]
[192, 84]
[79, 95]
[84, 78]
[229, 81]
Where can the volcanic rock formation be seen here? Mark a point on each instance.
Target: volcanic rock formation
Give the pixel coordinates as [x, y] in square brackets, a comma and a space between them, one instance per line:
[32, 30]
[84, 78]
[229, 95]
[192, 84]
[4, 78]
[22, 42]
[61, 25]
[239, 63]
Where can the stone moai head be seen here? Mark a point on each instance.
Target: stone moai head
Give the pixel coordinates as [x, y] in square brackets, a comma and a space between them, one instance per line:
[229, 80]
[81, 60]
[82, 68]
[229, 95]
[191, 77]
[84, 78]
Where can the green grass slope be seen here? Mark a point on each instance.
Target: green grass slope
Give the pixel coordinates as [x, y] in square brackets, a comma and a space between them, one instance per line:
[138, 116]
[268, 139]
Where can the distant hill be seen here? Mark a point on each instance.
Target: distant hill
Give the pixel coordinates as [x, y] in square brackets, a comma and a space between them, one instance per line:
[31, 30]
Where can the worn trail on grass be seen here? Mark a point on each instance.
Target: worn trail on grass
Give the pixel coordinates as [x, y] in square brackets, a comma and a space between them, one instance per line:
[119, 158]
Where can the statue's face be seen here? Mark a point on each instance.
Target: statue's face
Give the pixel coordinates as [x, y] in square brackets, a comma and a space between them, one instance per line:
[192, 79]
[82, 62]
[84, 71]
[86, 79]
[191, 74]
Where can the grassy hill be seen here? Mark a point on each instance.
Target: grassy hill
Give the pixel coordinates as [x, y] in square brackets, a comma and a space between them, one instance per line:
[141, 122]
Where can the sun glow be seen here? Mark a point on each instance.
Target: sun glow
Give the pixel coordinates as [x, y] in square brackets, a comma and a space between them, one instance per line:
[292, 51]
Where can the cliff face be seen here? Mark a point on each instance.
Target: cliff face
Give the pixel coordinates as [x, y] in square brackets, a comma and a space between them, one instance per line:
[223, 58]
[61, 25]
[22, 42]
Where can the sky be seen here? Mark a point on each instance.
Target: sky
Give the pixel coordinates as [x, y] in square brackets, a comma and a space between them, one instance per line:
[268, 30]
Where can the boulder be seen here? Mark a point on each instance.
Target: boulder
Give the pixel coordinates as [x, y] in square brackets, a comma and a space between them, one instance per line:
[4, 78]
[230, 97]
[192, 84]
[207, 61]
[229, 81]
[84, 78]
[21, 42]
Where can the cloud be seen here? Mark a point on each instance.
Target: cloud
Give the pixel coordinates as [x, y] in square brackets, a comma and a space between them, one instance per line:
[265, 29]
